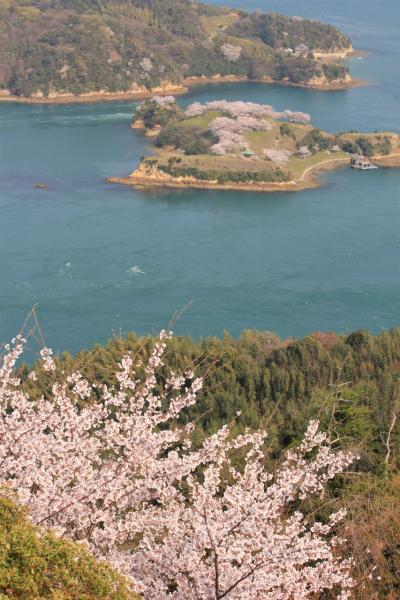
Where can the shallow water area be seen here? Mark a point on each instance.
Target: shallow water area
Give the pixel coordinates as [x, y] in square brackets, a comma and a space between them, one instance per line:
[99, 259]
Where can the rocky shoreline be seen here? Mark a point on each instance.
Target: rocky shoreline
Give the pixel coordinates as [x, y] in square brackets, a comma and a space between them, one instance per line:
[170, 88]
[140, 178]
[158, 179]
[95, 97]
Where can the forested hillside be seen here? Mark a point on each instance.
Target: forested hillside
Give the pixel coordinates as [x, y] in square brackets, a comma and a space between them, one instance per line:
[351, 382]
[81, 46]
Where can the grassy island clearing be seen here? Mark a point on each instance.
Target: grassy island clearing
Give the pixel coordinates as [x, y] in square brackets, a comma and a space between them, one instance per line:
[242, 145]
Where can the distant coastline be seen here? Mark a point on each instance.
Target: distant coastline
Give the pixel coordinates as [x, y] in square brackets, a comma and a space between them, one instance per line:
[93, 97]
[103, 96]
[167, 88]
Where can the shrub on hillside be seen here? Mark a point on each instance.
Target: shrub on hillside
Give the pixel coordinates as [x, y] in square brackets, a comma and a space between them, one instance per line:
[189, 139]
[350, 147]
[36, 564]
[315, 139]
[367, 149]
[335, 71]
[157, 112]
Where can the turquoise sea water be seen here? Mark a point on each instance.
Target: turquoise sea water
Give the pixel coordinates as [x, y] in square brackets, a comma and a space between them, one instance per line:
[98, 258]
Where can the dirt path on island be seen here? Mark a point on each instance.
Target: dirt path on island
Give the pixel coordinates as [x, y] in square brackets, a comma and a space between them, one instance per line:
[324, 165]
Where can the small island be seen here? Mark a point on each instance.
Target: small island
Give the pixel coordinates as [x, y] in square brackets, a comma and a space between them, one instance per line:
[247, 146]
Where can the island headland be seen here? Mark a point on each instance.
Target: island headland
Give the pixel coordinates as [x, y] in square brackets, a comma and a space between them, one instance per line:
[247, 146]
[89, 51]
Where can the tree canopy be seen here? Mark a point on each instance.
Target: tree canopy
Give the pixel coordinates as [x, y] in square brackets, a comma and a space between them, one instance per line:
[81, 46]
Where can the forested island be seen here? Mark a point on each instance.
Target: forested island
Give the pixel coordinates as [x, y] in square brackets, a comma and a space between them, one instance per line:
[249, 146]
[52, 50]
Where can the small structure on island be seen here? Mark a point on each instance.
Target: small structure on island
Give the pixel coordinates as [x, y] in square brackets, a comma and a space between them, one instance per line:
[288, 51]
[361, 163]
[304, 152]
[335, 148]
[248, 153]
[302, 50]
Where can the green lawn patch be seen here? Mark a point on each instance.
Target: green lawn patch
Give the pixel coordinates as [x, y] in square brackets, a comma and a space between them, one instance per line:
[297, 166]
[202, 121]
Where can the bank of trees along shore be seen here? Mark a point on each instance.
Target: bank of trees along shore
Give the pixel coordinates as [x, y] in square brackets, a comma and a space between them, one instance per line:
[155, 453]
[50, 46]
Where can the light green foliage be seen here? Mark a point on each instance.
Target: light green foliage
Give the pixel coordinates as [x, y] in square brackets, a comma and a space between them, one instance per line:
[204, 120]
[36, 565]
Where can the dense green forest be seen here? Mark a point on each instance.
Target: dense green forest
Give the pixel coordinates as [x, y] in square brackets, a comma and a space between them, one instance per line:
[80, 46]
[350, 383]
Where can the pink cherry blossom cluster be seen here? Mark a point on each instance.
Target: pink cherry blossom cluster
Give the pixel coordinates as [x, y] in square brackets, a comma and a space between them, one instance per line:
[240, 109]
[46, 355]
[146, 64]
[239, 541]
[281, 157]
[229, 132]
[164, 101]
[238, 125]
[233, 109]
[295, 116]
[231, 53]
[113, 467]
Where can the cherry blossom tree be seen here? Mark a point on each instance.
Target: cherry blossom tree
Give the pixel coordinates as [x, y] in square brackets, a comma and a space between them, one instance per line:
[164, 101]
[111, 466]
[233, 109]
[239, 108]
[295, 116]
[230, 132]
[82, 464]
[146, 64]
[231, 53]
[278, 156]
[195, 109]
[241, 541]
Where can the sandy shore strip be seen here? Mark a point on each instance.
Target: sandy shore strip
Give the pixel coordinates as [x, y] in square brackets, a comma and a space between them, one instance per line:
[191, 183]
[390, 161]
